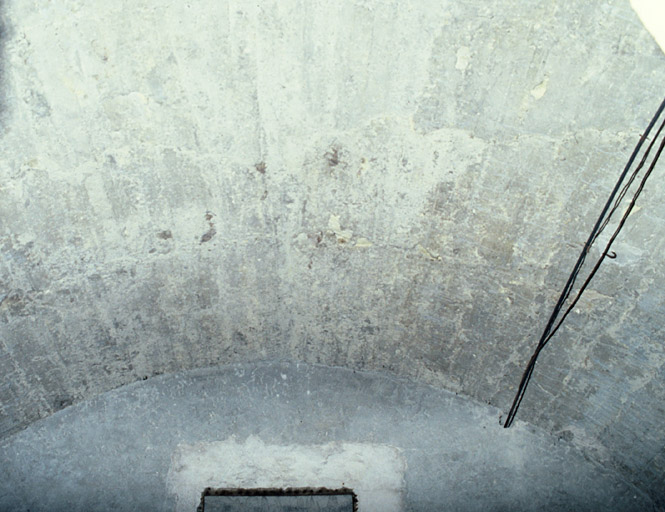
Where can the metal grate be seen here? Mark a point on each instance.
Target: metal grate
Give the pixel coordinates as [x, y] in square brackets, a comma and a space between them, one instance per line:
[307, 499]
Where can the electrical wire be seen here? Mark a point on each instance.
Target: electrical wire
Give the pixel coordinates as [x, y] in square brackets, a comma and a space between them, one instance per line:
[612, 204]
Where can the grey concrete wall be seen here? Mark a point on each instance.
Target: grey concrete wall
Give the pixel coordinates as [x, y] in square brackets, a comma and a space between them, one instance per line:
[393, 186]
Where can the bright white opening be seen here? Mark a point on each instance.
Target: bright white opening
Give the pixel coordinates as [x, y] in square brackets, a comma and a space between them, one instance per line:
[652, 15]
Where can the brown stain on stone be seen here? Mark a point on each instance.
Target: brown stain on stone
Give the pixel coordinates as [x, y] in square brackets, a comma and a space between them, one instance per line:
[332, 157]
[208, 235]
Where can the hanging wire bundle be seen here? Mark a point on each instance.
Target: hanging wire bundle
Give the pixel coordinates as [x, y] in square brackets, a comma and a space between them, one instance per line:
[613, 204]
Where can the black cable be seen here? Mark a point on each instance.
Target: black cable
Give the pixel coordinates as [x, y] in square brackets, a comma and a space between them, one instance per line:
[625, 188]
[606, 252]
[599, 226]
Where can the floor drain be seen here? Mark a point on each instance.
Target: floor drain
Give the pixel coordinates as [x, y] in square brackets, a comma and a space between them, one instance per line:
[306, 499]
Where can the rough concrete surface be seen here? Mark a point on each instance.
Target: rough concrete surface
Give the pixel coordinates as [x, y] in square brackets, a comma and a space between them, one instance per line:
[396, 186]
[138, 447]
[374, 471]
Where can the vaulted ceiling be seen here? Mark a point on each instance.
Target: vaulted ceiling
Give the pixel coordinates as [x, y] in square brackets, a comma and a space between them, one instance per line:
[393, 186]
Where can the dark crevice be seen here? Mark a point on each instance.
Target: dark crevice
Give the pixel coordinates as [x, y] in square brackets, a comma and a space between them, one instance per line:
[289, 491]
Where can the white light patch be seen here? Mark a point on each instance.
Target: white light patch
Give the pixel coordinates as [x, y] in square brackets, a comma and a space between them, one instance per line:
[375, 472]
[652, 15]
[463, 58]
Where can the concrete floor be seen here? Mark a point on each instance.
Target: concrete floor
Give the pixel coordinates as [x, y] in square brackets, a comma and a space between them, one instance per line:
[156, 444]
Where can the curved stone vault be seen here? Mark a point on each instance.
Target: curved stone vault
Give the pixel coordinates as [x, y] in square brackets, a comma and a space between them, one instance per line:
[385, 186]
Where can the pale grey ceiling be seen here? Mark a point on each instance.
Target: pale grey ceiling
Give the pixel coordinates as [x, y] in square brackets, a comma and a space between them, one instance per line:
[394, 186]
